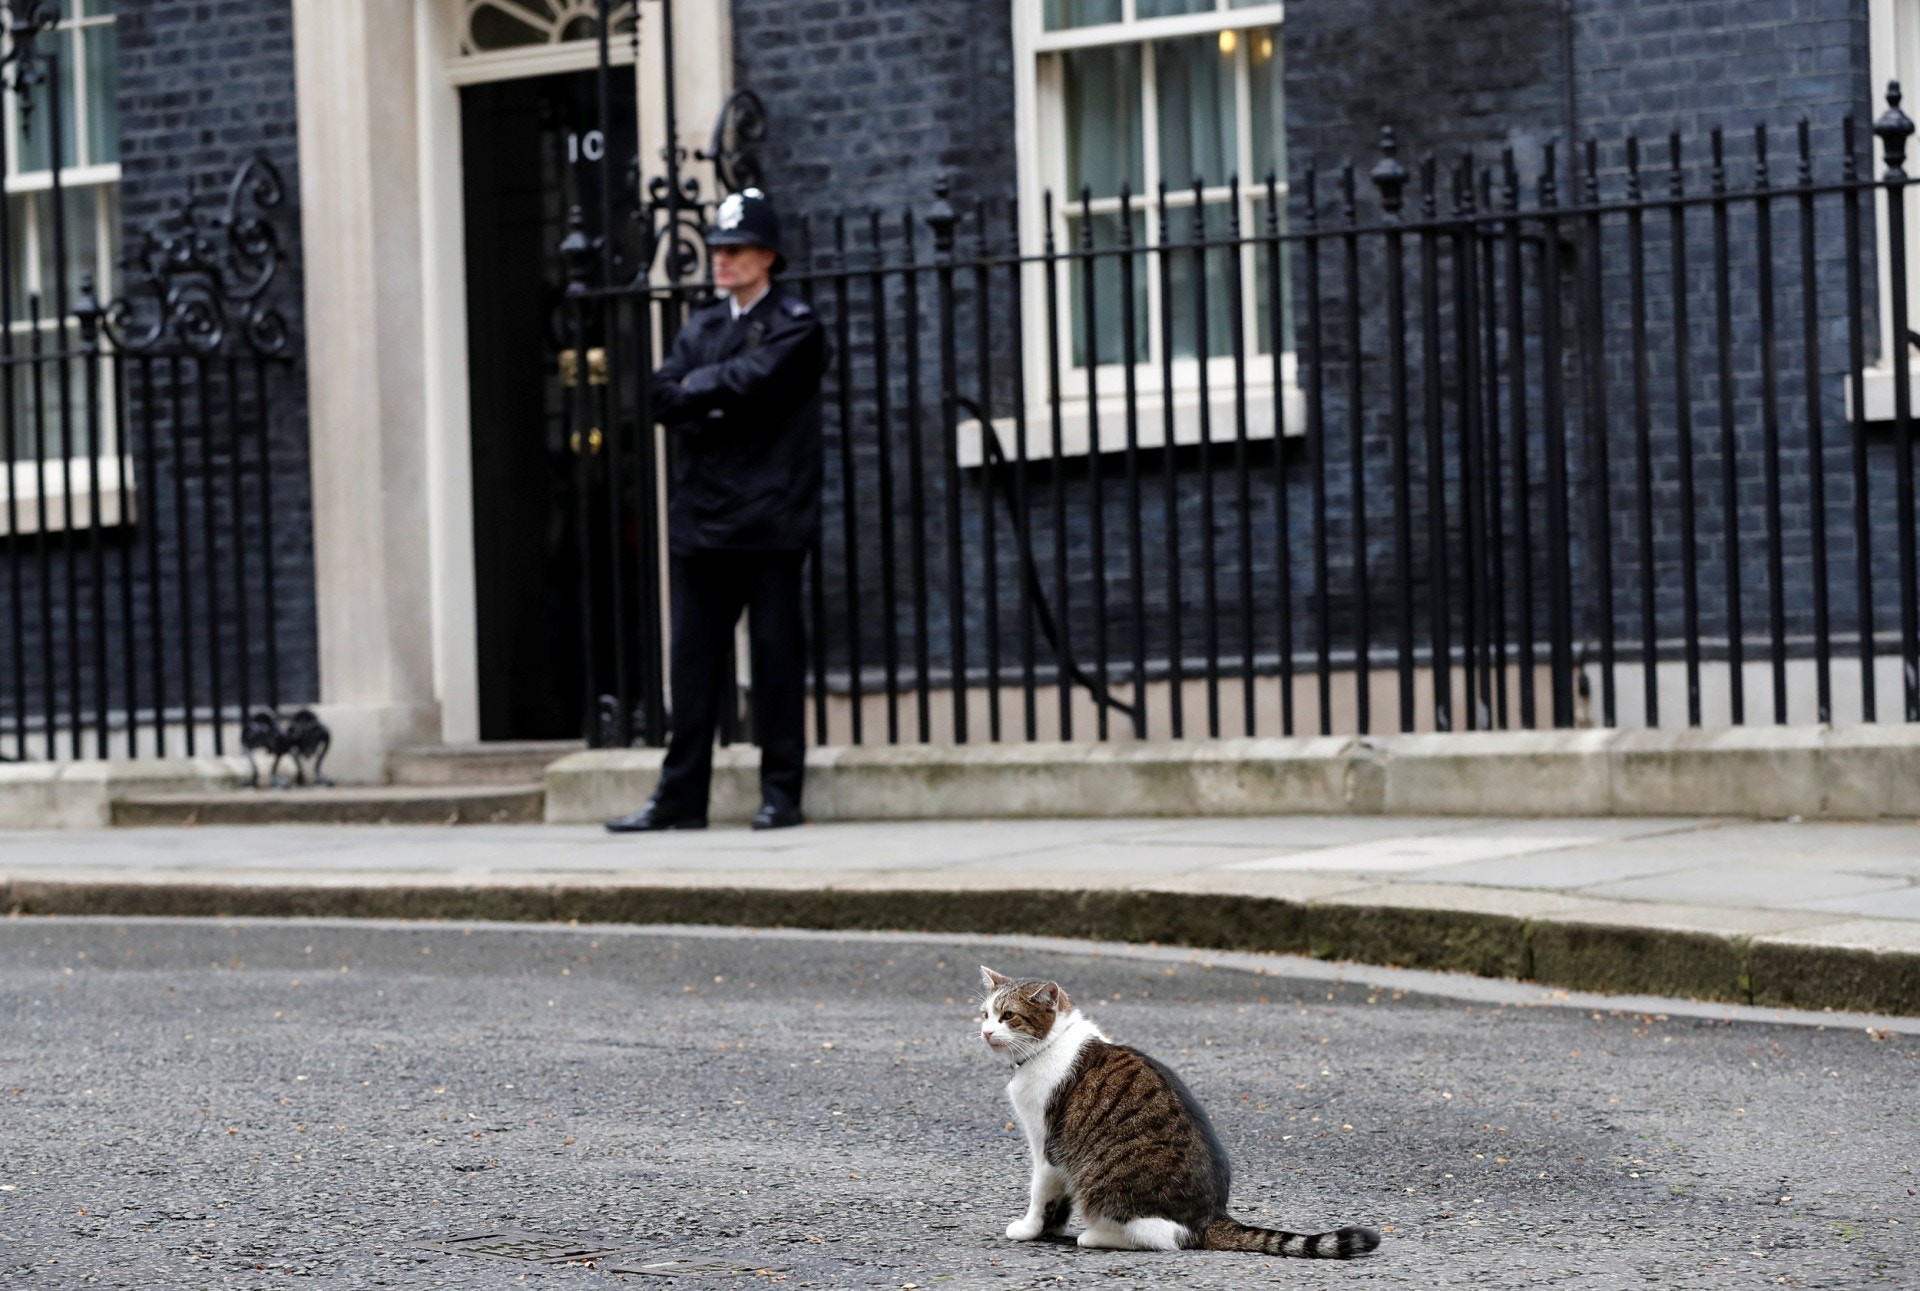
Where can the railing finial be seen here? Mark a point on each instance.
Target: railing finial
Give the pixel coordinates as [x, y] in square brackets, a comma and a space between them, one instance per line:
[1389, 176]
[88, 311]
[941, 217]
[1894, 128]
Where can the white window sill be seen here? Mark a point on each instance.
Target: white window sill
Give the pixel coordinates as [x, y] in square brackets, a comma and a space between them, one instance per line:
[1876, 383]
[68, 502]
[1076, 425]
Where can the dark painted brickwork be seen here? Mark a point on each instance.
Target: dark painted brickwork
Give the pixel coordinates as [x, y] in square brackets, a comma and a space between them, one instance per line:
[1651, 67]
[872, 101]
[202, 88]
[1449, 77]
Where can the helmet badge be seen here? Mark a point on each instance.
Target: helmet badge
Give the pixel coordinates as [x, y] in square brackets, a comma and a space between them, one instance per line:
[734, 209]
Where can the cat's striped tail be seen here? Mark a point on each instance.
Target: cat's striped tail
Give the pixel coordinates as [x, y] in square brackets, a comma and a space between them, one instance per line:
[1342, 1244]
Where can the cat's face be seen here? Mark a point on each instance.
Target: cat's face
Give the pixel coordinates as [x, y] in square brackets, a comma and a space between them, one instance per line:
[1016, 1017]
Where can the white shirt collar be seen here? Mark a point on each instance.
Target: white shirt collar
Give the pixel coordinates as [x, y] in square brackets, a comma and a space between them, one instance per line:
[733, 302]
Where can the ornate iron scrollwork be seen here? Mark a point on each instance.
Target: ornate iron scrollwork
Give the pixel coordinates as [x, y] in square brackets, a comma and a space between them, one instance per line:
[199, 275]
[28, 65]
[202, 270]
[672, 215]
[737, 135]
[666, 213]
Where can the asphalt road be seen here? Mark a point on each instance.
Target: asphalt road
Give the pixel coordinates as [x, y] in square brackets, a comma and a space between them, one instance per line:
[200, 1104]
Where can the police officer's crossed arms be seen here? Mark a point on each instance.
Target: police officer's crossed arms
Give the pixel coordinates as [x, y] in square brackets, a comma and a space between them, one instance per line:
[740, 395]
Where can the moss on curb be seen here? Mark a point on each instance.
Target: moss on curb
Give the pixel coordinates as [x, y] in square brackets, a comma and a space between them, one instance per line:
[1456, 941]
[1639, 961]
[1836, 977]
[1574, 954]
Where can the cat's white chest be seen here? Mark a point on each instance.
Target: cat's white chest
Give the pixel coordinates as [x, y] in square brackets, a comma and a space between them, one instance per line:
[1029, 1102]
[1034, 1083]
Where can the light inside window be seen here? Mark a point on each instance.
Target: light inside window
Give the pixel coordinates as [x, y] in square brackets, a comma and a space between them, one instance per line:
[1195, 112]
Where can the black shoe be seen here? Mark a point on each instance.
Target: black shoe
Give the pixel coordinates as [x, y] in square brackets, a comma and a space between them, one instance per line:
[651, 818]
[772, 817]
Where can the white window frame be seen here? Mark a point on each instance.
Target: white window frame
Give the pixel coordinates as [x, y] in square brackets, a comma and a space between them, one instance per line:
[67, 502]
[1040, 135]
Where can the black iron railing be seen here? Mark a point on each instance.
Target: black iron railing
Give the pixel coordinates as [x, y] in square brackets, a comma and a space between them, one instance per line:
[144, 450]
[140, 614]
[1547, 441]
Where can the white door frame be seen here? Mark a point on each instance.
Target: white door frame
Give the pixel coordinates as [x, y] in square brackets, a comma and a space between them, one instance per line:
[704, 64]
[449, 478]
[384, 250]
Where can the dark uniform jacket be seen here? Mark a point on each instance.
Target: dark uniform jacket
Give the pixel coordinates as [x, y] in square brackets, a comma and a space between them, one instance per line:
[743, 400]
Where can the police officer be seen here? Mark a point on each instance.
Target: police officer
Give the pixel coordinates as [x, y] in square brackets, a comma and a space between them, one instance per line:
[740, 395]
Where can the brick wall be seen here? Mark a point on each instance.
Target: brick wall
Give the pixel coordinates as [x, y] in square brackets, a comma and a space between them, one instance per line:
[872, 101]
[1467, 75]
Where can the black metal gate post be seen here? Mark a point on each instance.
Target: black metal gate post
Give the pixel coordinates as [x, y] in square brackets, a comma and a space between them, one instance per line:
[1894, 129]
[634, 260]
[1390, 177]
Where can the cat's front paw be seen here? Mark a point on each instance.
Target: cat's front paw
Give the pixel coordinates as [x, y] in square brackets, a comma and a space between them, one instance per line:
[1025, 1229]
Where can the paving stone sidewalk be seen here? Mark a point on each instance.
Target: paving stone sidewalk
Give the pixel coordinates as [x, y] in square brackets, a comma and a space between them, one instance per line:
[1815, 914]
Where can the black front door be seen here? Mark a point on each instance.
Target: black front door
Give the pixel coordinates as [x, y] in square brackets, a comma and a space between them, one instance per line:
[530, 150]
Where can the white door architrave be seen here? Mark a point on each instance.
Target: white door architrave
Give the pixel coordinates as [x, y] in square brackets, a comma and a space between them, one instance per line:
[380, 178]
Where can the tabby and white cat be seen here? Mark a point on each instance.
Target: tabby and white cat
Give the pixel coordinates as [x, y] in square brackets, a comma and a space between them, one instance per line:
[1116, 1135]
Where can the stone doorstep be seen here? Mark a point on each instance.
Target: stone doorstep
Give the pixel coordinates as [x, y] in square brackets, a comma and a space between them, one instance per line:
[80, 795]
[1816, 772]
[514, 762]
[342, 805]
[1785, 959]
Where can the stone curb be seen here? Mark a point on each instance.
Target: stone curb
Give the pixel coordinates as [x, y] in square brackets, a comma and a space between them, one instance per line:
[1808, 970]
[1817, 772]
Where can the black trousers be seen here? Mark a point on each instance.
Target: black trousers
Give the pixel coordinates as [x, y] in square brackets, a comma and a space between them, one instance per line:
[709, 589]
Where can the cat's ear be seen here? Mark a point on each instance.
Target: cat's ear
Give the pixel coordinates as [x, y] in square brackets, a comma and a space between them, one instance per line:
[1055, 998]
[991, 980]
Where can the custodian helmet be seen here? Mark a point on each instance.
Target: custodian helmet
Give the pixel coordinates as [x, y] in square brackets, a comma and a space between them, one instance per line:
[747, 219]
